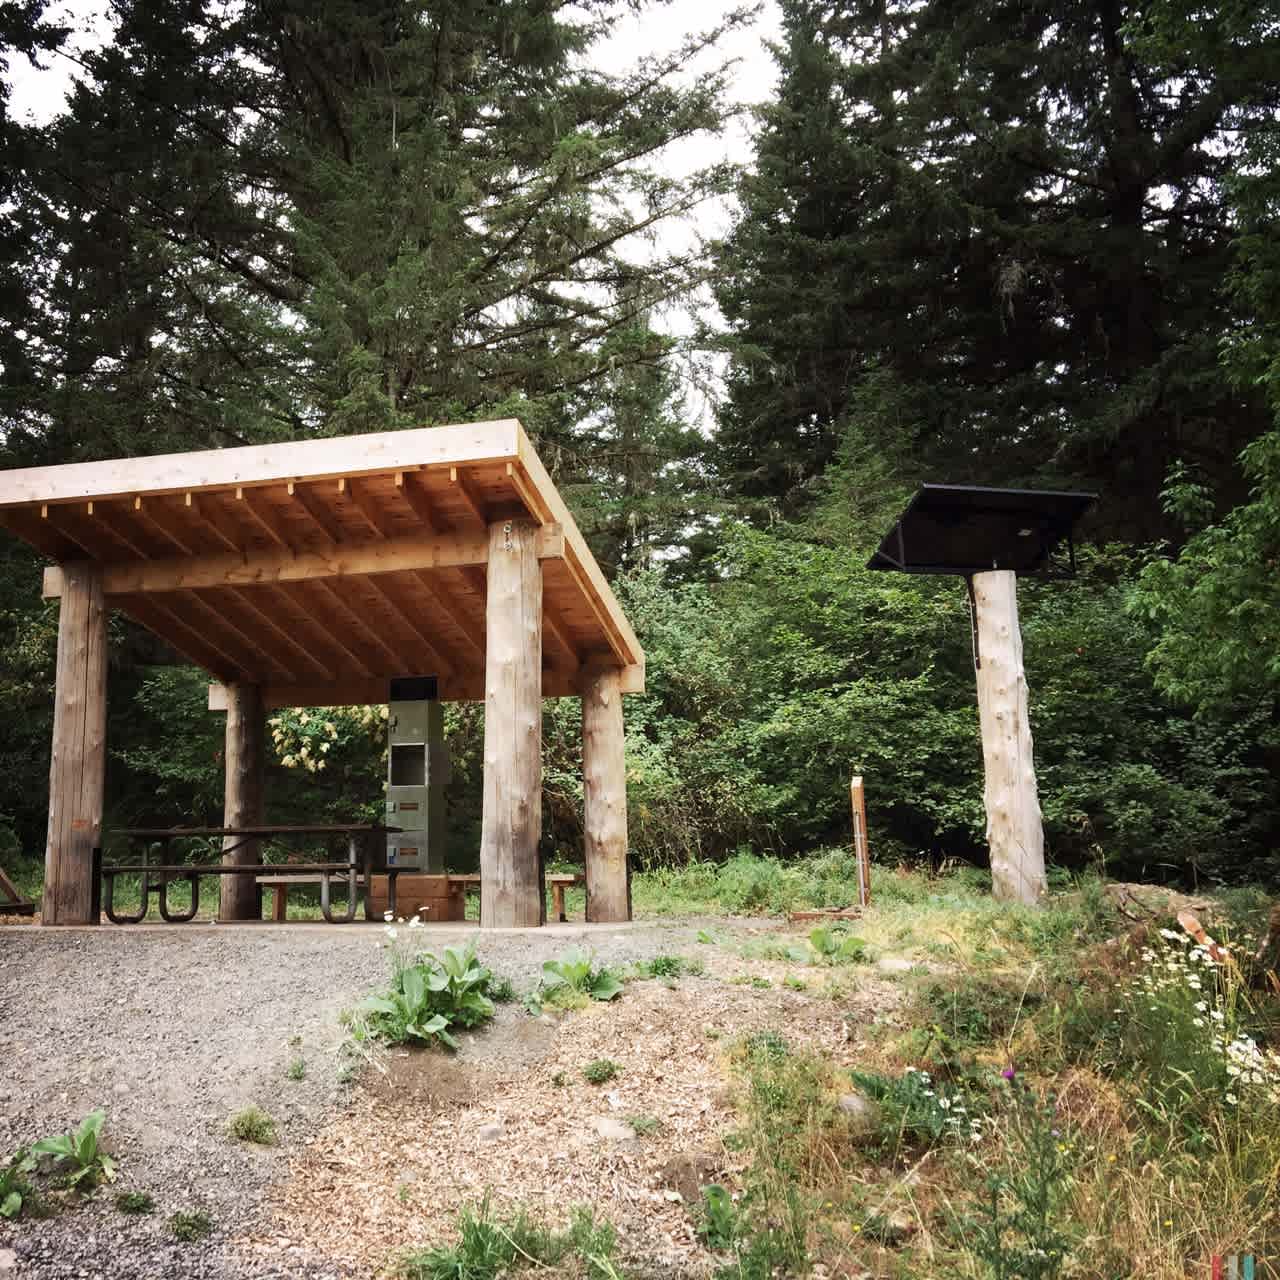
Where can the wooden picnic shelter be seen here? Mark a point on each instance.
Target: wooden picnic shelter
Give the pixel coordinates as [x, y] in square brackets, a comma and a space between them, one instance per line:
[311, 574]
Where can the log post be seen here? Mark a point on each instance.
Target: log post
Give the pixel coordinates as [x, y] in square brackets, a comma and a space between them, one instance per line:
[604, 797]
[77, 768]
[241, 897]
[512, 891]
[1015, 833]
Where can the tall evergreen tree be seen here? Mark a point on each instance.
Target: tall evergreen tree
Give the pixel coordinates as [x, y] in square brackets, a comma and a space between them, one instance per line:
[990, 239]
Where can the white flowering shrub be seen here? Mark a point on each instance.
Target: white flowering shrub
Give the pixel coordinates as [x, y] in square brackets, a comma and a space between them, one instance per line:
[1188, 1018]
[304, 738]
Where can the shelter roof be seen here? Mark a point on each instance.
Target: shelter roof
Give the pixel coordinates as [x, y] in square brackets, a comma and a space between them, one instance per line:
[967, 529]
[322, 568]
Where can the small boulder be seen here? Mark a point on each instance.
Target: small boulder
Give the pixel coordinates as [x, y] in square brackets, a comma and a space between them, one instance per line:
[489, 1132]
[612, 1129]
[8, 1260]
[861, 1114]
[895, 964]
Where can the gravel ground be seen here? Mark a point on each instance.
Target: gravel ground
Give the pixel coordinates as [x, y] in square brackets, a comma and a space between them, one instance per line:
[172, 1029]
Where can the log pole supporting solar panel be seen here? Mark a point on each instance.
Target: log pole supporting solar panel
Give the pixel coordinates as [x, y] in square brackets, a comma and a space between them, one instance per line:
[314, 573]
[989, 536]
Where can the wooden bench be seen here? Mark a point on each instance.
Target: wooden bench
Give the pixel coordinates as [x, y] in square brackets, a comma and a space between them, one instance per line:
[279, 886]
[558, 883]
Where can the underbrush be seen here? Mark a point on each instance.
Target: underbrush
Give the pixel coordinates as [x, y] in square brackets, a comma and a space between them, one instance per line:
[1070, 1096]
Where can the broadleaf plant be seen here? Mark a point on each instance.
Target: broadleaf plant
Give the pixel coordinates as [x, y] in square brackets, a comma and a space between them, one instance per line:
[80, 1150]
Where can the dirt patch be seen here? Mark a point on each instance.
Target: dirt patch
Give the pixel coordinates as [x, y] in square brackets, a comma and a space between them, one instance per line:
[402, 1163]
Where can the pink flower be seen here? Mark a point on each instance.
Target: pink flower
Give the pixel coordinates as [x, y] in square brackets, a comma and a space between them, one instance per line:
[1008, 1073]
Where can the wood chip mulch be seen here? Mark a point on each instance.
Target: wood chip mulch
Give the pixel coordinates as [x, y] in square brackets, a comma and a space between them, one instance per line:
[392, 1171]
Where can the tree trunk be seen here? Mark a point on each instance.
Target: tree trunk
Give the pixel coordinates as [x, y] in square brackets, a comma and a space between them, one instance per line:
[1014, 831]
[241, 897]
[77, 769]
[604, 798]
[511, 889]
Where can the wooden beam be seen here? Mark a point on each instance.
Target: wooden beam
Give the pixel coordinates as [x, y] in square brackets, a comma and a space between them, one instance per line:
[358, 625]
[536, 508]
[441, 664]
[27, 526]
[372, 690]
[294, 591]
[189, 638]
[604, 799]
[253, 568]
[212, 619]
[1015, 831]
[77, 768]
[408, 489]
[365, 505]
[471, 628]
[321, 517]
[184, 639]
[468, 495]
[105, 518]
[287, 640]
[245, 757]
[263, 516]
[512, 892]
[212, 520]
[153, 515]
[382, 453]
[559, 633]
[62, 521]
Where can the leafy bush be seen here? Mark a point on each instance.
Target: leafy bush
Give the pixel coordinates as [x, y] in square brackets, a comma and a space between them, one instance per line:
[572, 974]
[80, 1151]
[833, 944]
[719, 1227]
[252, 1124]
[429, 996]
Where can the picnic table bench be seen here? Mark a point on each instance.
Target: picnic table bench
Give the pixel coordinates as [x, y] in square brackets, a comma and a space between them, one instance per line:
[559, 881]
[158, 875]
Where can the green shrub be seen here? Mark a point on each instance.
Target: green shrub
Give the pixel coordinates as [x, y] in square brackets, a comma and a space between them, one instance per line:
[190, 1226]
[600, 1071]
[252, 1124]
[85, 1164]
[833, 944]
[572, 979]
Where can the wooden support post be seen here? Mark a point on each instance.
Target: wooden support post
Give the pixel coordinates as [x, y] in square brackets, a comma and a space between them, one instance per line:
[1015, 833]
[512, 891]
[77, 770]
[241, 898]
[604, 797]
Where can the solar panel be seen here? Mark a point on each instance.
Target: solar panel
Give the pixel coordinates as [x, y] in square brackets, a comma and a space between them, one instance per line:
[966, 529]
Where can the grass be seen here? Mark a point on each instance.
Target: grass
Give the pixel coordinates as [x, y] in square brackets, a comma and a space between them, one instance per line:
[252, 1124]
[490, 1246]
[138, 1202]
[601, 1071]
[297, 1069]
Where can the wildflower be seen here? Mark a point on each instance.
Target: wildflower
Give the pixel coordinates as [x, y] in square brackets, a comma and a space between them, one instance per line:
[1008, 1073]
[388, 916]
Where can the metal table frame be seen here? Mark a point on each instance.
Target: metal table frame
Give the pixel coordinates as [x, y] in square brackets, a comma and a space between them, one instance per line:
[157, 876]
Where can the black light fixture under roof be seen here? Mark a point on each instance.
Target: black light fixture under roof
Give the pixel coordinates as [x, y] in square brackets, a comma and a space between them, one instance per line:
[967, 529]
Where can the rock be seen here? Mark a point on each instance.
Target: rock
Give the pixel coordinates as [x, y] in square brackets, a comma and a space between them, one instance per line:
[613, 1129]
[895, 964]
[893, 1228]
[8, 1260]
[861, 1114]
[489, 1132]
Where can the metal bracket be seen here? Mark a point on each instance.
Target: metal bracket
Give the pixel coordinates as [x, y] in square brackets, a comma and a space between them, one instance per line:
[973, 623]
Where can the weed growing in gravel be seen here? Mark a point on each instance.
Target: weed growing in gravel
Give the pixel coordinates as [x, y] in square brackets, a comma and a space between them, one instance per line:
[84, 1163]
[669, 966]
[190, 1227]
[297, 1069]
[253, 1125]
[14, 1187]
[834, 944]
[490, 1247]
[501, 990]
[719, 1227]
[134, 1202]
[644, 1126]
[600, 1071]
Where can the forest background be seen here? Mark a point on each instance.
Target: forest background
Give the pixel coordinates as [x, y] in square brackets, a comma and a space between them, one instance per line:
[998, 243]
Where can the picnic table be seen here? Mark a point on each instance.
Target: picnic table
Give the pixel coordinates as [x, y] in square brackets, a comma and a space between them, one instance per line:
[156, 876]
